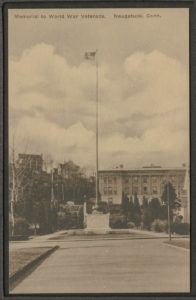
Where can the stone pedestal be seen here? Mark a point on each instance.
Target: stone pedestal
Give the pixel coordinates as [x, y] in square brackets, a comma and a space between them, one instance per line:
[96, 222]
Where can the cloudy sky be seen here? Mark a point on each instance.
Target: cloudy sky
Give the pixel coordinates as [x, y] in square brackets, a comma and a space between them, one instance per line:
[143, 86]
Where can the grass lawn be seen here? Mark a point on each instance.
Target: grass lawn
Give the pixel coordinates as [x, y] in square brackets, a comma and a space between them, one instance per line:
[21, 257]
[184, 243]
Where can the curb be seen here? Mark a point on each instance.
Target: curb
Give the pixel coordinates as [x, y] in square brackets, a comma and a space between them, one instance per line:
[113, 238]
[22, 273]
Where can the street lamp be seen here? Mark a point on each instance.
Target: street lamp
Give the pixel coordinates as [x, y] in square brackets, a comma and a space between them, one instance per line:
[168, 211]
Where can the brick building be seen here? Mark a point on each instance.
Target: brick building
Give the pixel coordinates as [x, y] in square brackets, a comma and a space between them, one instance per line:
[146, 181]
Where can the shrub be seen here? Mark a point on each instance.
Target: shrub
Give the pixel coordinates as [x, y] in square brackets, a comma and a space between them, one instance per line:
[21, 226]
[103, 207]
[159, 226]
[181, 228]
[70, 220]
[115, 209]
[130, 225]
[118, 221]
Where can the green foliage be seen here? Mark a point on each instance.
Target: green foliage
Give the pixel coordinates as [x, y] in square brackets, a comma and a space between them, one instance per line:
[134, 211]
[70, 216]
[146, 217]
[77, 188]
[118, 221]
[151, 211]
[181, 228]
[158, 211]
[169, 193]
[34, 201]
[130, 225]
[125, 203]
[103, 207]
[21, 226]
[33, 194]
[159, 225]
[116, 209]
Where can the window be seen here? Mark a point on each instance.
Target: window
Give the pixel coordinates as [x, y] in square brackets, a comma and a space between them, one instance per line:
[105, 179]
[135, 179]
[154, 190]
[110, 200]
[154, 179]
[145, 190]
[115, 190]
[164, 179]
[109, 180]
[135, 189]
[126, 180]
[105, 190]
[126, 190]
[110, 190]
[144, 179]
[115, 180]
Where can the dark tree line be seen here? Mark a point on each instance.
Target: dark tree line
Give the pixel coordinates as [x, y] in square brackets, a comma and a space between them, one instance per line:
[144, 214]
[39, 197]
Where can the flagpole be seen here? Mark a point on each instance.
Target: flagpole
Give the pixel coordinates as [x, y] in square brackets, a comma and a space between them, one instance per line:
[93, 55]
[97, 133]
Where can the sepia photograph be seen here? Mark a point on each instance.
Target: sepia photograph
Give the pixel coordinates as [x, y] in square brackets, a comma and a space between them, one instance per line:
[99, 150]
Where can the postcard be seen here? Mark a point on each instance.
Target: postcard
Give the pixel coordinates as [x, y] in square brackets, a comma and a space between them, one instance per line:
[98, 103]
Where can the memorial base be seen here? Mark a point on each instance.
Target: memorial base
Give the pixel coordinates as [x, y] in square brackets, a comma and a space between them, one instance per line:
[97, 223]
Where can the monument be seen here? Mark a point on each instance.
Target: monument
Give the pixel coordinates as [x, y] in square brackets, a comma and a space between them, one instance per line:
[96, 222]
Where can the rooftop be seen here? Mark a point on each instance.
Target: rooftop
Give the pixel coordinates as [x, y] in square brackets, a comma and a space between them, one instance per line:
[154, 168]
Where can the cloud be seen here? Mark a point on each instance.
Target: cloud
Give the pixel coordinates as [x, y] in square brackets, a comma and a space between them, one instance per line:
[143, 107]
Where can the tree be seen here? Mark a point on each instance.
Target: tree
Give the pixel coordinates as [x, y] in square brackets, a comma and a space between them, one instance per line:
[146, 215]
[134, 211]
[125, 204]
[156, 209]
[170, 198]
[137, 209]
[152, 211]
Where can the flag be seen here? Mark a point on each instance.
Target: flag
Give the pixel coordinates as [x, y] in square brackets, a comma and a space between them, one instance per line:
[90, 55]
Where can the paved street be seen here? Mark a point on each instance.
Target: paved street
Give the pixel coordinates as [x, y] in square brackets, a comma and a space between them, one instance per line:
[110, 266]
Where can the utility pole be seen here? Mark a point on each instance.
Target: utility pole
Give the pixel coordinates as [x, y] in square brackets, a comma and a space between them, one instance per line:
[97, 134]
[13, 190]
[52, 187]
[168, 207]
[62, 186]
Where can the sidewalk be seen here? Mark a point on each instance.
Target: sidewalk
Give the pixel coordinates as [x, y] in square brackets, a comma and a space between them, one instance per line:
[158, 234]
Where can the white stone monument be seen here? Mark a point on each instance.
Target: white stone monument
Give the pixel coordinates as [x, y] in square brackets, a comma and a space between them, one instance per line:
[97, 222]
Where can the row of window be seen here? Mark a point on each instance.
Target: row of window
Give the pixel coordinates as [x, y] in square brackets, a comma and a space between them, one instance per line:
[135, 190]
[109, 191]
[135, 179]
[113, 191]
[108, 180]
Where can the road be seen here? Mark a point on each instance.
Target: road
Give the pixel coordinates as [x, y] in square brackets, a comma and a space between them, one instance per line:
[111, 266]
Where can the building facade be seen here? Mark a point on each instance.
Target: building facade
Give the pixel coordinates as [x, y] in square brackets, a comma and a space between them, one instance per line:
[30, 161]
[68, 170]
[147, 181]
